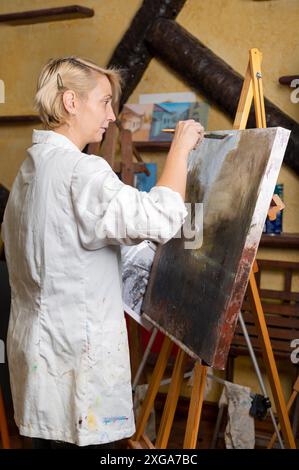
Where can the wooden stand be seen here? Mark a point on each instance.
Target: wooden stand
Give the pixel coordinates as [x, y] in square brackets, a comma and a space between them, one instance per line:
[252, 90]
[289, 406]
[3, 424]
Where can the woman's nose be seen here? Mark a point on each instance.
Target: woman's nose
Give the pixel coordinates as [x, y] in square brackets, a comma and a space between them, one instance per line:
[111, 116]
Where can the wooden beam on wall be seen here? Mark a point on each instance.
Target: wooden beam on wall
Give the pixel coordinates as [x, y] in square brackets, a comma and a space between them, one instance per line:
[132, 54]
[46, 14]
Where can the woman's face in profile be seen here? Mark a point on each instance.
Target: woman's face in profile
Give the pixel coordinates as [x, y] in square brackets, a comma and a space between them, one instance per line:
[94, 113]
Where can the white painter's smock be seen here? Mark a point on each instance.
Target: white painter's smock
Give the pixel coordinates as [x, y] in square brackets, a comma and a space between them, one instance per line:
[67, 345]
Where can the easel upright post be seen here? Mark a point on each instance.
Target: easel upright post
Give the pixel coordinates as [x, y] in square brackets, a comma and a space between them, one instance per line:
[151, 392]
[3, 424]
[195, 407]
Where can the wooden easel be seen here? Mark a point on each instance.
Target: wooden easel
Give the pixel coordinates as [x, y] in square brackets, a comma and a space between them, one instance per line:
[3, 424]
[252, 90]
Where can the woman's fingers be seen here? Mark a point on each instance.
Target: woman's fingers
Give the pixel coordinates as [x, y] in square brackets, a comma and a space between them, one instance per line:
[188, 134]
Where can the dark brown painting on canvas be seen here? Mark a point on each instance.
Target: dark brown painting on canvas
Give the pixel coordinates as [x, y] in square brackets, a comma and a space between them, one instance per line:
[194, 294]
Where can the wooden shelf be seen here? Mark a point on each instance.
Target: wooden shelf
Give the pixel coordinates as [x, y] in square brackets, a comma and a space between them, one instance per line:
[283, 240]
[152, 146]
[47, 14]
[19, 119]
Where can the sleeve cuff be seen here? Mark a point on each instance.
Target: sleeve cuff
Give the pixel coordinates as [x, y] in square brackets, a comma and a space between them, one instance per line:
[173, 198]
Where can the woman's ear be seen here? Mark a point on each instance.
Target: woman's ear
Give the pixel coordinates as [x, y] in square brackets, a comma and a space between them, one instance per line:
[69, 99]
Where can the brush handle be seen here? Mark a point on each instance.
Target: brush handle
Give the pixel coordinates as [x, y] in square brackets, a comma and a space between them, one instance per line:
[208, 135]
[173, 130]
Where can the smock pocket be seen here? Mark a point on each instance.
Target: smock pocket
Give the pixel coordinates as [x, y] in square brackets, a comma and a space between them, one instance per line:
[115, 353]
[62, 339]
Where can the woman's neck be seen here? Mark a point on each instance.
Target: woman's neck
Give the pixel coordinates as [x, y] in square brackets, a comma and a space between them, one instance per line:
[71, 134]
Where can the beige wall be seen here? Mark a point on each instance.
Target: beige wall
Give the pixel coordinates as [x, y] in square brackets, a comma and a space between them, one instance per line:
[228, 27]
[24, 49]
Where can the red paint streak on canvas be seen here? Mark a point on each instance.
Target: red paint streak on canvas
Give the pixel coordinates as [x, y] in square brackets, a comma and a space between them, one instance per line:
[231, 314]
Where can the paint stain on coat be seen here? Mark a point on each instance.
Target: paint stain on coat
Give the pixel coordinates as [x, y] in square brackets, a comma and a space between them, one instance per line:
[91, 420]
[114, 419]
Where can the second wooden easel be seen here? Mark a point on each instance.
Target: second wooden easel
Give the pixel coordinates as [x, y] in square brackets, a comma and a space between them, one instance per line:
[252, 90]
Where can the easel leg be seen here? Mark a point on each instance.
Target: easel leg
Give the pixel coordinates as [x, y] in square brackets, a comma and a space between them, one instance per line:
[295, 420]
[217, 427]
[171, 401]
[144, 359]
[153, 387]
[269, 361]
[259, 375]
[289, 406]
[3, 424]
[195, 407]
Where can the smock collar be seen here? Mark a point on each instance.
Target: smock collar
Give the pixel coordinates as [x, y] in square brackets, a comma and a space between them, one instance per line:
[53, 138]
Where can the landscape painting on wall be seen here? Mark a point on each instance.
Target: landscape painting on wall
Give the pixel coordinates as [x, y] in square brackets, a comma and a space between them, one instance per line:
[146, 121]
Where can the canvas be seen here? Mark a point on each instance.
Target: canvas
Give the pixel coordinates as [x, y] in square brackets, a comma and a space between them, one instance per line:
[194, 295]
[136, 264]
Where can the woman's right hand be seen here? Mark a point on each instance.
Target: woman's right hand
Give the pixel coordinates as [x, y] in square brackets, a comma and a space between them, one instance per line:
[188, 134]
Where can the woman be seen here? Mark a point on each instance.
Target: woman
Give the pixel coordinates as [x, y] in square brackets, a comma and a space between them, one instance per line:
[67, 215]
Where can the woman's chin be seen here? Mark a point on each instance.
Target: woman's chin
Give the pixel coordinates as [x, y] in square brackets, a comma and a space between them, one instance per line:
[98, 137]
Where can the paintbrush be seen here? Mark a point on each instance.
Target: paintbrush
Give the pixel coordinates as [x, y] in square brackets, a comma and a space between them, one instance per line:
[207, 135]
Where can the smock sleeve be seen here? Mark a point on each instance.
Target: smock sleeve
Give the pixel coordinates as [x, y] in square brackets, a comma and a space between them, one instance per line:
[108, 211]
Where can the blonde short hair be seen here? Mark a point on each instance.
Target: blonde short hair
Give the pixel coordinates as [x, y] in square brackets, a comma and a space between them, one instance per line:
[68, 73]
